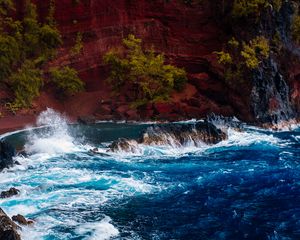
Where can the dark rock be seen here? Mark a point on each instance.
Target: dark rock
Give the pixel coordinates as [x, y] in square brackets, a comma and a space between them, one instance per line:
[86, 120]
[22, 220]
[7, 152]
[181, 134]
[132, 115]
[175, 135]
[270, 94]
[9, 193]
[8, 229]
[126, 145]
[104, 110]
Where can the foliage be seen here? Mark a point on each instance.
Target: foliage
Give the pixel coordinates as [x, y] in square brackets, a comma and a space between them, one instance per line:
[247, 8]
[25, 46]
[145, 71]
[67, 80]
[9, 55]
[296, 29]
[224, 57]
[77, 48]
[241, 57]
[26, 84]
[5, 6]
[256, 49]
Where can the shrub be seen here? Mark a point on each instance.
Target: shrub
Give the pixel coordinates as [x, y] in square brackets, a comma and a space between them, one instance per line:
[5, 6]
[50, 39]
[224, 57]
[67, 80]
[9, 55]
[254, 51]
[77, 48]
[26, 84]
[145, 71]
[25, 46]
[296, 29]
[247, 8]
[240, 58]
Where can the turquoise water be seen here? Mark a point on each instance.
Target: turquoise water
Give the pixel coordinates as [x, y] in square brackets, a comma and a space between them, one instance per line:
[247, 187]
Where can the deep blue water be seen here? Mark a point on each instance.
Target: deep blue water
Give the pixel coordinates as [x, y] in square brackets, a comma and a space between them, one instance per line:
[247, 187]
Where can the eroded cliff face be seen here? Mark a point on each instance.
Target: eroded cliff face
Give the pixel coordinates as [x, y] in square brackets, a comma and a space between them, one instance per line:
[188, 35]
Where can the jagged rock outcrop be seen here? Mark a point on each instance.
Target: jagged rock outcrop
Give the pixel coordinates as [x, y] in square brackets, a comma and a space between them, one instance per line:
[182, 134]
[9, 193]
[22, 220]
[125, 145]
[175, 135]
[7, 152]
[8, 229]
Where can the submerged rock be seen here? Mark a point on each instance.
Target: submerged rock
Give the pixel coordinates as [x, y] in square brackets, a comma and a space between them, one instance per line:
[8, 229]
[22, 220]
[126, 145]
[7, 152]
[9, 193]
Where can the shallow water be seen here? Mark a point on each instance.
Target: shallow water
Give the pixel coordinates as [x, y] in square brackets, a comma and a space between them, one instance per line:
[247, 187]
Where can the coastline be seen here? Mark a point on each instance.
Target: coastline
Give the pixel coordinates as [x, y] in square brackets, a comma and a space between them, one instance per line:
[17, 122]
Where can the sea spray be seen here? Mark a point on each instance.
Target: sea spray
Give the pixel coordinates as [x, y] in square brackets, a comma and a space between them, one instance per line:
[53, 138]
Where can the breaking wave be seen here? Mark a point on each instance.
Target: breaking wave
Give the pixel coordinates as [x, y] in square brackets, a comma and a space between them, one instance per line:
[244, 186]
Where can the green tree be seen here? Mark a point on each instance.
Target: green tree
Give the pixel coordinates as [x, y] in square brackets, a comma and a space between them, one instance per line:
[26, 84]
[25, 46]
[67, 80]
[145, 71]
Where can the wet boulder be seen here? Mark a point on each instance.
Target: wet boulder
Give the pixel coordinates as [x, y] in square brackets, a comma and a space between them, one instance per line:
[183, 134]
[7, 152]
[22, 220]
[124, 145]
[9, 193]
[8, 229]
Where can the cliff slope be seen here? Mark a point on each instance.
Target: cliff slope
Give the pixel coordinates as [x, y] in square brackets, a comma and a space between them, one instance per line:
[188, 33]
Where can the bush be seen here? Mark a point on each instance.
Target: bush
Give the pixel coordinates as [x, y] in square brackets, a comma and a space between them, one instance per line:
[25, 46]
[67, 80]
[240, 58]
[78, 46]
[9, 55]
[145, 71]
[5, 6]
[254, 51]
[296, 29]
[248, 8]
[49, 38]
[26, 84]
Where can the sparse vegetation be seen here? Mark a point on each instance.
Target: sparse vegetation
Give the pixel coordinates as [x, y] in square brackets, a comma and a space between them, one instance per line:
[296, 29]
[145, 71]
[238, 58]
[255, 51]
[78, 46]
[253, 8]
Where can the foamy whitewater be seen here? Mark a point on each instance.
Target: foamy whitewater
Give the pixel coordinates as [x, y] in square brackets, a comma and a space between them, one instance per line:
[247, 187]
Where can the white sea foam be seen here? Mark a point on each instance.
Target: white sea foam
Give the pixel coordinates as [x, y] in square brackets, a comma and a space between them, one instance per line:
[245, 138]
[103, 230]
[56, 137]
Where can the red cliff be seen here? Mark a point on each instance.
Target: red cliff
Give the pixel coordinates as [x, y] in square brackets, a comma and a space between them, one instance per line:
[187, 34]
